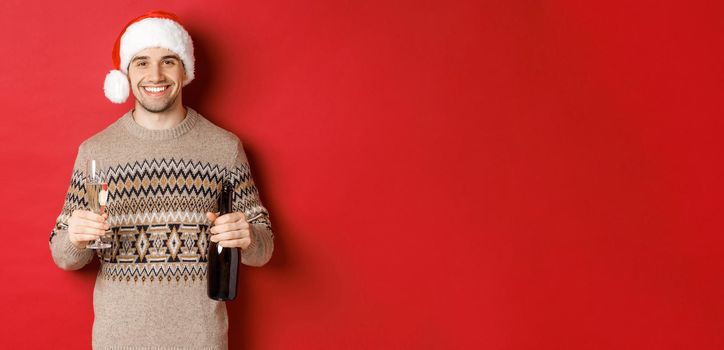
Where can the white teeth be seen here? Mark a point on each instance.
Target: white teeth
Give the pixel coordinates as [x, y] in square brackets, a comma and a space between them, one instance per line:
[154, 89]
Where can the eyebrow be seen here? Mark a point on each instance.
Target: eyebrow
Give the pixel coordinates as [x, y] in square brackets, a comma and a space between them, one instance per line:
[162, 58]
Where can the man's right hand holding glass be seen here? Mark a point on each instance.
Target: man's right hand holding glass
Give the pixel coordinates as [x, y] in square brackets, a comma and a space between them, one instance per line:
[85, 226]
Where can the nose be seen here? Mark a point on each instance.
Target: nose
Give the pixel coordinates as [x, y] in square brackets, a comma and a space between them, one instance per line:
[155, 74]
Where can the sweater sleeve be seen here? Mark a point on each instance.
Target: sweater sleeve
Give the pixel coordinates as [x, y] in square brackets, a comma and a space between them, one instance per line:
[65, 254]
[247, 201]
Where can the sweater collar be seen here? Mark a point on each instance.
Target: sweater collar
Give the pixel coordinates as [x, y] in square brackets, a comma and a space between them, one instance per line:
[162, 134]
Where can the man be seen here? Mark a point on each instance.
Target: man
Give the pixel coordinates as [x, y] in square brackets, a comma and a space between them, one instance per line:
[165, 165]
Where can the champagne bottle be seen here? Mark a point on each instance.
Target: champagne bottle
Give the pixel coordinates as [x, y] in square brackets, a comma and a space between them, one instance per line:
[223, 265]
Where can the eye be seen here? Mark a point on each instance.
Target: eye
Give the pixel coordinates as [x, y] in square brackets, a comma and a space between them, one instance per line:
[140, 63]
[169, 62]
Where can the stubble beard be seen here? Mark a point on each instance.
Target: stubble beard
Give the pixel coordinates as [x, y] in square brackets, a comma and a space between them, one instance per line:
[160, 109]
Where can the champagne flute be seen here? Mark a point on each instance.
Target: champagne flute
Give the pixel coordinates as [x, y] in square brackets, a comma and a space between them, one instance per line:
[96, 192]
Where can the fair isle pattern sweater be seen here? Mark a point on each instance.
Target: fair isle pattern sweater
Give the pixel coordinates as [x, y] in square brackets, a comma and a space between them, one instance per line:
[150, 291]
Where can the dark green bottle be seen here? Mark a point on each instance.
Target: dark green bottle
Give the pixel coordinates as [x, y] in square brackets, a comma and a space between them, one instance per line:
[223, 266]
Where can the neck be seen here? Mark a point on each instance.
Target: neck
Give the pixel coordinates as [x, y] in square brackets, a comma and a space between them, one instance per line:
[161, 120]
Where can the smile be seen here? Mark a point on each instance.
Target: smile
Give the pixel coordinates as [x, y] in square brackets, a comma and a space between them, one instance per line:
[155, 91]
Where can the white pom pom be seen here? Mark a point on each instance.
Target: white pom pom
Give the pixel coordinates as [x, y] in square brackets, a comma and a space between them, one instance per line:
[116, 86]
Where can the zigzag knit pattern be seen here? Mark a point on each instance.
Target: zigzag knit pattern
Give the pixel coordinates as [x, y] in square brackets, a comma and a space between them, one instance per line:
[151, 289]
[156, 209]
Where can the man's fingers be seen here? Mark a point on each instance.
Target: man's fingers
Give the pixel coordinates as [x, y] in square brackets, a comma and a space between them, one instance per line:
[232, 226]
[226, 218]
[231, 217]
[94, 224]
[89, 215]
[211, 216]
[239, 243]
[85, 238]
[229, 235]
[88, 223]
[88, 231]
[85, 226]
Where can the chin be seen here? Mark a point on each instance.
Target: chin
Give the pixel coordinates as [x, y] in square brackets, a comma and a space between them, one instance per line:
[156, 108]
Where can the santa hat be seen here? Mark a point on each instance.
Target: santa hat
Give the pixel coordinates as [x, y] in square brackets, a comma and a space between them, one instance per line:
[154, 29]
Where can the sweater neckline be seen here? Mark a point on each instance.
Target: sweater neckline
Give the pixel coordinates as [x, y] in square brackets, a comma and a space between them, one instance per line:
[161, 134]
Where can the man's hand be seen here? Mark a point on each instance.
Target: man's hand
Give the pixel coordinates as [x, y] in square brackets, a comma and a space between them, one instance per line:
[230, 230]
[85, 226]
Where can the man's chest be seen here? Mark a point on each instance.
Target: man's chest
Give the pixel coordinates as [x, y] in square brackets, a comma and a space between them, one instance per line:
[162, 190]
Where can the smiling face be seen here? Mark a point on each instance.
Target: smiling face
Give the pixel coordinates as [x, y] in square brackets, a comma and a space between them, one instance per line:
[156, 76]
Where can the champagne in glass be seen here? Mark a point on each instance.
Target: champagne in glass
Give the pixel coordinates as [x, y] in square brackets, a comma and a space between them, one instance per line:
[96, 191]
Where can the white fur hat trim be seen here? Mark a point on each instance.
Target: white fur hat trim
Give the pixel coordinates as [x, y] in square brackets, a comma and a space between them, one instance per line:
[116, 86]
[158, 32]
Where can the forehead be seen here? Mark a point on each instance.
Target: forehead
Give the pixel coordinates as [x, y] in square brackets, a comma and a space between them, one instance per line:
[154, 53]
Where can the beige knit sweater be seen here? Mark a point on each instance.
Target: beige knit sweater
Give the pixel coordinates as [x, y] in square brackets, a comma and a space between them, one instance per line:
[150, 292]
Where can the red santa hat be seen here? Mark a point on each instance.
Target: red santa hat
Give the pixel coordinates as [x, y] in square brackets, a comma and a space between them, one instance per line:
[153, 29]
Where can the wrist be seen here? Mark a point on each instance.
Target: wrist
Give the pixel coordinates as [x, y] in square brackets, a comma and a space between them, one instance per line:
[79, 245]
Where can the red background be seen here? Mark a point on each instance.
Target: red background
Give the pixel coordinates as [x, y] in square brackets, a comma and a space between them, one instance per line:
[465, 174]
